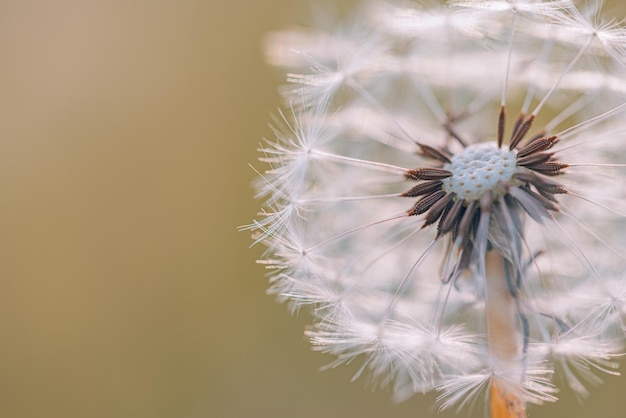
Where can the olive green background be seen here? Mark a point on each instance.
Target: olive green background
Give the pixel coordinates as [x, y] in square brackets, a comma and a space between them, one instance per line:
[126, 130]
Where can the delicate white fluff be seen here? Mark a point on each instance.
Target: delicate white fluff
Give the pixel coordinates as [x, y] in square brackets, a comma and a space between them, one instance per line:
[369, 102]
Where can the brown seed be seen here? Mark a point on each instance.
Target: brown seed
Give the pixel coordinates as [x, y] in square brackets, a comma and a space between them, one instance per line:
[427, 174]
[549, 168]
[501, 125]
[540, 182]
[437, 209]
[537, 145]
[466, 222]
[521, 131]
[423, 188]
[434, 153]
[450, 219]
[426, 203]
[536, 158]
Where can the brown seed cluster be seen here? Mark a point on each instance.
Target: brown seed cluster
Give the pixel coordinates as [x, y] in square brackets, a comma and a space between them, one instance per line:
[531, 188]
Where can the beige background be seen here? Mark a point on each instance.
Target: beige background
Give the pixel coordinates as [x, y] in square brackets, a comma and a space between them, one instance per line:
[126, 128]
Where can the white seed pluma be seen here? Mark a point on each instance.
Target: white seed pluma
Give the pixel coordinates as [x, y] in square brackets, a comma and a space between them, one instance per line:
[446, 194]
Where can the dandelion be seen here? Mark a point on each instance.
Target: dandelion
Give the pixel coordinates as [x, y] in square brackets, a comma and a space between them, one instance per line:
[446, 194]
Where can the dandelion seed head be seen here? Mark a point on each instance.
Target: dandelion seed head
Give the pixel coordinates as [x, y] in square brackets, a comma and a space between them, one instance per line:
[445, 195]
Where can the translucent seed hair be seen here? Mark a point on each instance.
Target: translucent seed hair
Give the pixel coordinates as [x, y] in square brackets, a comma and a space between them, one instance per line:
[445, 195]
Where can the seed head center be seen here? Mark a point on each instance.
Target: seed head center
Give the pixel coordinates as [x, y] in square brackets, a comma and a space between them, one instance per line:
[479, 168]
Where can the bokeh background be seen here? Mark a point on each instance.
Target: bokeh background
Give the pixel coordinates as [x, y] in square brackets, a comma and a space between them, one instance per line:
[126, 130]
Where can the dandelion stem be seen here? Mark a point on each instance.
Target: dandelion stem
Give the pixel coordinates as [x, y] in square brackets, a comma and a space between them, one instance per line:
[501, 316]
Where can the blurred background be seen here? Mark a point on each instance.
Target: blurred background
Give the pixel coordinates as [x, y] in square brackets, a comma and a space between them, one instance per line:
[125, 290]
